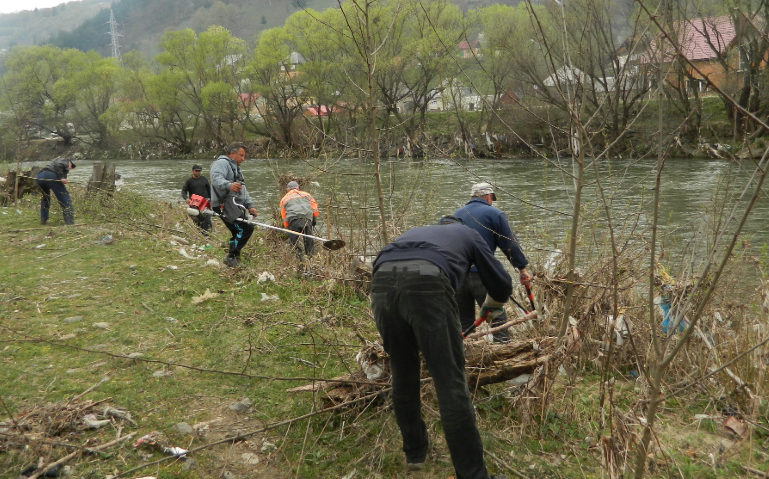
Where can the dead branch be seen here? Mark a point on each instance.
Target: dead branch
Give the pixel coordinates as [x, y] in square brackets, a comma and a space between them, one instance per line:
[69, 456]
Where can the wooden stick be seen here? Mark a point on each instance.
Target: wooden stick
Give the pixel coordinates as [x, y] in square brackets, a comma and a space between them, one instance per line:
[69, 456]
[754, 471]
[512, 322]
[735, 378]
[102, 381]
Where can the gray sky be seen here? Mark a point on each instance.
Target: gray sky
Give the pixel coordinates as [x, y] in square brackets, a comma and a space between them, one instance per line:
[10, 6]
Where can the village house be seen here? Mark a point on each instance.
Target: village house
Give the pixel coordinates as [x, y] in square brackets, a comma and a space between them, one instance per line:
[469, 49]
[712, 48]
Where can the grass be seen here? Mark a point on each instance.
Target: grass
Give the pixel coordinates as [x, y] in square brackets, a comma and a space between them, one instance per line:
[78, 311]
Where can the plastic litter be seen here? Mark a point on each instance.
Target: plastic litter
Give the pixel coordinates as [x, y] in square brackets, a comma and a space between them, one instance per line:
[155, 439]
[265, 276]
[92, 423]
[519, 380]
[184, 253]
[270, 297]
[204, 297]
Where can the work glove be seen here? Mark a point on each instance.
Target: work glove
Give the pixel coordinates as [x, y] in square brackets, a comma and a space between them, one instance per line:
[491, 308]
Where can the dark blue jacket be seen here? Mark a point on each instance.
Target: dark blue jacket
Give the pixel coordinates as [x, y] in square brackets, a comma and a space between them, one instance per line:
[453, 248]
[492, 225]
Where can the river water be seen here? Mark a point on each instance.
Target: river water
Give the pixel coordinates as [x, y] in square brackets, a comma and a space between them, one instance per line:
[536, 194]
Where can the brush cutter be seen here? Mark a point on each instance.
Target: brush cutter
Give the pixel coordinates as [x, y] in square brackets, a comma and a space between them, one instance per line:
[330, 244]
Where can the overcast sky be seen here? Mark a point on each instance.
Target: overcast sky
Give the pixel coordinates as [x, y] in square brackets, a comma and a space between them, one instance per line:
[10, 6]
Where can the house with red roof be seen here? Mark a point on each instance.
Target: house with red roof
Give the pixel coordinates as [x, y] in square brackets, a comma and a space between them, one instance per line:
[469, 49]
[711, 48]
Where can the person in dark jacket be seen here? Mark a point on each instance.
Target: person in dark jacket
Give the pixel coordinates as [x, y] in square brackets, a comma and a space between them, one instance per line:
[412, 298]
[491, 224]
[227, 184]
[197, 184]
[53, 178]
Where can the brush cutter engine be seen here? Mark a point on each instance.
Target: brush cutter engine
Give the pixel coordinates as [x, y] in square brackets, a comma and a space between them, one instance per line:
[199, 206]
[198, 202]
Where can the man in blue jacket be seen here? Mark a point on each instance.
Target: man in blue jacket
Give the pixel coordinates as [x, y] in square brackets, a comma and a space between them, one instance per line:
[54, 178]
[491, 224]
[412, 297]
[227, 184]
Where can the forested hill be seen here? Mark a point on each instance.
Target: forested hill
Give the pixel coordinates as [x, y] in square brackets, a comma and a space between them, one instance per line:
[84, 25]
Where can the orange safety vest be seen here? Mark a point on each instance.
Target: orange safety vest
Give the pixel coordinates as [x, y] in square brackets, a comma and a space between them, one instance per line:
[297, 203]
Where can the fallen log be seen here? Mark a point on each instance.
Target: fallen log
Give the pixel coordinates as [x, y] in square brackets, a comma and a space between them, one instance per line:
[17, 184]
[485, 363]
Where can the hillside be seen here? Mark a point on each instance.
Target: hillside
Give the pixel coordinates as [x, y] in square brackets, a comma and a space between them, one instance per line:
[32, 27]
[83, 25]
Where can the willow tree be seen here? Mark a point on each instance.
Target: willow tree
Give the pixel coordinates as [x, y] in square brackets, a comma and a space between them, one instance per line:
[36, 91]
[199, 84]
[314, 36]
[272, 72]
[367, 26]
[432, 30]
[93, 84]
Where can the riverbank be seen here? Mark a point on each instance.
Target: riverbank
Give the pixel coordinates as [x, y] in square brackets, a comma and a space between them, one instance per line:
[528, 141]
[126, 310]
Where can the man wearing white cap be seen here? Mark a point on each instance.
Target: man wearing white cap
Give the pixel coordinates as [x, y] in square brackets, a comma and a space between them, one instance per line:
[491, 223]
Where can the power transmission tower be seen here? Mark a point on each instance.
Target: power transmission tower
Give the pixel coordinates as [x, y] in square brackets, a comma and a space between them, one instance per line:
[114, 37]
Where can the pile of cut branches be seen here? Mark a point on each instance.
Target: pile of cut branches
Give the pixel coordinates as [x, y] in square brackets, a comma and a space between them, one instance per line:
[47, 436]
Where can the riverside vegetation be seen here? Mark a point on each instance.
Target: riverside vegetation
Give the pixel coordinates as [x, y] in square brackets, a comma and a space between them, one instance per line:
[118, 312]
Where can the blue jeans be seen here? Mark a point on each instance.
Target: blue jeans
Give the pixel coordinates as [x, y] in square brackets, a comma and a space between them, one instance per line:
[46, 180]
[414, 309]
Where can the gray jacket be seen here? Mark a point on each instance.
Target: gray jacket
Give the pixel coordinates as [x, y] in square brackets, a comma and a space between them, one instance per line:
[224, 171]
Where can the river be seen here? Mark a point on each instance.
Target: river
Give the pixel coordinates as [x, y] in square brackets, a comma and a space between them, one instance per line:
[536, 194]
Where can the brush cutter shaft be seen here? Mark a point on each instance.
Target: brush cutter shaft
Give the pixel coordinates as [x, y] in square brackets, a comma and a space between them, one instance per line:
[263, 225]
[333, 244]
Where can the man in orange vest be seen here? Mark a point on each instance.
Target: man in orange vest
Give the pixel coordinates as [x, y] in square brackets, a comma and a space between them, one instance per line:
[299, 212]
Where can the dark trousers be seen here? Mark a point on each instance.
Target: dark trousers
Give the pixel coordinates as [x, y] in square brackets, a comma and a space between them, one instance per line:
[241, 232]
[414, 309]
[44, 180]
[304, 226]
[203, 222]
[473, 292]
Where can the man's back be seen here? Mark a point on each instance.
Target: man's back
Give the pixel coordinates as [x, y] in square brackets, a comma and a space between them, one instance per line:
[453, 248]
[491, 223]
